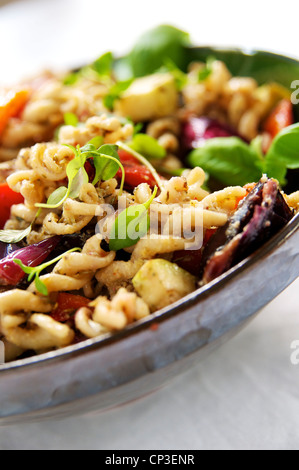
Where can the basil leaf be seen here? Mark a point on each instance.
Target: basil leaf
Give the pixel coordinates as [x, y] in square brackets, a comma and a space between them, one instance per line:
[157, 45]
[180, 77]
[148, 147]
[41, 286]
[97, 141]
[57, 196]
[283, 153]
[14, 236]
[207, 70]
[131, 225]
[80, 179]
[71, 79]
[204, 74]
[106, 168]
[70, 119]
[115, 93]
[229, 160]
[103, 65]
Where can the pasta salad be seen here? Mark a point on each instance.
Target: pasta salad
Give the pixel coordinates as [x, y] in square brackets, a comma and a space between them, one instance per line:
[121, 195]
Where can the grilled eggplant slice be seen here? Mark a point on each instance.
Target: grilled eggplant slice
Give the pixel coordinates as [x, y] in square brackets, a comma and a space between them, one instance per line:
[259, 217]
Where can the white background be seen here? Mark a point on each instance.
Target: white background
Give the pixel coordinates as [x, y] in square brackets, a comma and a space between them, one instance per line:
[245, 395]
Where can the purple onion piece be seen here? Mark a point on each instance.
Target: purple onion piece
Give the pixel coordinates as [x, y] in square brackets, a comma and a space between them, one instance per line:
[33, 255]
[196, 130]
[7, 249]
[260, 216]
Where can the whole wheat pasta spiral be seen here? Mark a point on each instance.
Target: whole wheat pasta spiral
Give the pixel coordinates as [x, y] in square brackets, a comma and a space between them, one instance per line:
[41, 332]
[108, 316]
[110, 128]
[75, 270]
[72, 222]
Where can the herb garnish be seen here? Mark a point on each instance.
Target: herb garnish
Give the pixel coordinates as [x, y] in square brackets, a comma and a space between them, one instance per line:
[100, 70]
[106, 162]
[148, 147]
[15, 236]
[71, 119]
[205, 72]
[164, 42]
[34, 272]
[115, 92]
[181, 78]
[131, 225]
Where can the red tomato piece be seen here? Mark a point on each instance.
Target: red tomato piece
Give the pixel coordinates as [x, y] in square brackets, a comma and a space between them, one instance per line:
[127, 158]
[7, 199]
[137, 175]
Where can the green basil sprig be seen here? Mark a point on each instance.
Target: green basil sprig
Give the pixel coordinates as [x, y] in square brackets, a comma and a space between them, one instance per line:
[131, 225]
[148, 147]
[100, 70]
[106, 162]
[15, 236]
[34, 272]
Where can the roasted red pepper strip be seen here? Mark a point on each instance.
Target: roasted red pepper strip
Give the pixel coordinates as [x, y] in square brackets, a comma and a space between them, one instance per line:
[7, 199]
[11, 104]
[280, 118]
[67, 305]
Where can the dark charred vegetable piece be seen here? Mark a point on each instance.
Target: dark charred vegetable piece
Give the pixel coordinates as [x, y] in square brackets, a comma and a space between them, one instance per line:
[196, 130]
[33, 255]
[237, 222]
[292, 181]
[190, 260]
[69, 242]
[260, 216]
